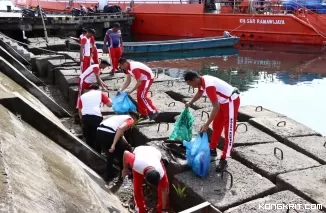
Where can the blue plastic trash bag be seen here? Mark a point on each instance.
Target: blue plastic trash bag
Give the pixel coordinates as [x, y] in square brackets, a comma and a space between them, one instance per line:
[121, 103]
[183, 126]
[198, 154]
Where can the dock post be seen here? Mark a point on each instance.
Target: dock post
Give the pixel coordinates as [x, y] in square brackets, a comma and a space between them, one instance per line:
[41, 12]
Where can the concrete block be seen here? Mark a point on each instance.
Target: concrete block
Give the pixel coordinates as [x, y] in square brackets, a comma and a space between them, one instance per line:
[8, 63]
[66, 78]
[19, 81]
[73, 95]
[116, 83]
[56, 64]
[181, 91]
[309, 184]
[51, 74]
[168, 107]
[247, 185]
[203, 102]
[153, 132]
[282, 127]
[247, 112]
[312, 146]
[247, 135]
[267, 204]
[40, 64]
[272, 159]
[174, 162]
[159, 76]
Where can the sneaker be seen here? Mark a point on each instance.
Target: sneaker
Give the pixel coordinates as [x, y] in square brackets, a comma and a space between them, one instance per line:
[213, 153]
[154, 115]
[223, 164]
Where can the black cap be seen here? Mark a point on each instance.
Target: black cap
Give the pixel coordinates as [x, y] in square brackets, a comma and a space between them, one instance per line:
[94, 86]
[134, 113]
[116, 24]
[106, 62]
[91, 30]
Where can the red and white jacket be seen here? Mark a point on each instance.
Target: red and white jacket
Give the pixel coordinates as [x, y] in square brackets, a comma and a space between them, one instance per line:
[89, 75]
[217, 89]
[90, 102]
[87, 45]
[139, 71]
[145, 157]
[113, 123]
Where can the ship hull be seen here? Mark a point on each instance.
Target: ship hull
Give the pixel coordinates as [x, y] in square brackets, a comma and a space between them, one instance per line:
[263, 28]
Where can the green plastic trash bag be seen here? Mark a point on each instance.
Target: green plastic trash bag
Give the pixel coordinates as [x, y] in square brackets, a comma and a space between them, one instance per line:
[183, 127]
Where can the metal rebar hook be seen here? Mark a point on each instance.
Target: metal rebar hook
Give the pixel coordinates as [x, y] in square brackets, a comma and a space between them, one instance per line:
[118, 79]
[276, 148]
[156, 74]
[288, 210]
[278, 124]
[205, 99]
[167, 127]
[151, 93]
[240, 125]
[231, 177]
[169, 83]
[259, 107]
[202, 114]
[171, 103]
[325, 144]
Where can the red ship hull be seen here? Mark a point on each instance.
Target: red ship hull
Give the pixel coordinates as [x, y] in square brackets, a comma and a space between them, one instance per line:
[189, 20]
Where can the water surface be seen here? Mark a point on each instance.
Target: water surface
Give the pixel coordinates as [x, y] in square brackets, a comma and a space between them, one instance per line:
[289, 79]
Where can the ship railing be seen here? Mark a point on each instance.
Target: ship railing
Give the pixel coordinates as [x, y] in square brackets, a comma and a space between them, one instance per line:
[157, 2]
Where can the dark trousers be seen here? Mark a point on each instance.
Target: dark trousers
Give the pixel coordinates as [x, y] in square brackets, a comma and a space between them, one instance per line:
[90, 124]
[105, 140]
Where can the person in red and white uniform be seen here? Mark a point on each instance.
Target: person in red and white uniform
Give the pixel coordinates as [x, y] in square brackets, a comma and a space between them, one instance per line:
[90, 76]
[145, 162]
[94, 53]
[110, 136]
[84, 32]
[144, 76]
[85, 49]
[89, 108]
[226, 101]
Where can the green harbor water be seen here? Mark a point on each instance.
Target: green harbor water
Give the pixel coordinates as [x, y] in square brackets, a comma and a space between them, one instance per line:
[289, 79]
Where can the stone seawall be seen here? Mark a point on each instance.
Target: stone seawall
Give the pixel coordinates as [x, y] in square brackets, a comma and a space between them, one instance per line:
[276, 160]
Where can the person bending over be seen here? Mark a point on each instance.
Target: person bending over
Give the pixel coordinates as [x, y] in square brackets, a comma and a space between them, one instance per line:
[89, 108]
[226, 101]
[144, 76]
[146, 163]
[91, 76]
[110, 136]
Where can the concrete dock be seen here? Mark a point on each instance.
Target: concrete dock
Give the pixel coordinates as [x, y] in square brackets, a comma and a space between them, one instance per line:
[64, 24]
[276, 160]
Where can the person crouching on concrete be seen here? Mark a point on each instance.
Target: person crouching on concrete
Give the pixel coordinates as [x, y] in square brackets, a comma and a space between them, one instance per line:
[110, 138]
[91, 76]
[89, 108]
[226, 101]
[144, 76]
[145, 162]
